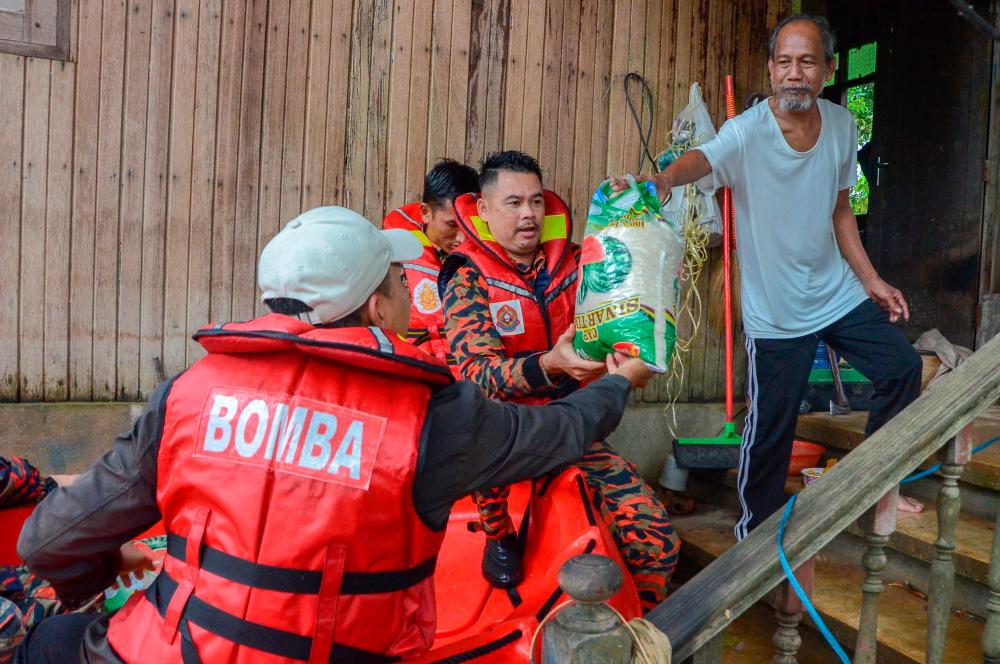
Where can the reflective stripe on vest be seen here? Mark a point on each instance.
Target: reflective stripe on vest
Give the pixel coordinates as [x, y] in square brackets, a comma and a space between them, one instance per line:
[421, 268]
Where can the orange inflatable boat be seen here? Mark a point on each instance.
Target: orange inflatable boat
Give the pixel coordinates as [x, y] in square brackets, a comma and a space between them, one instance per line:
[477, 622]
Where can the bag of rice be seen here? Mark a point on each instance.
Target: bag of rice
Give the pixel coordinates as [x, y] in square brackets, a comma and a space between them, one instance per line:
[627, 287]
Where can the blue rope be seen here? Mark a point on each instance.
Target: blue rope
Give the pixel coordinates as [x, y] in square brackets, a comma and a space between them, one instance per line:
[936, 467]
[794, 582]
[824, 630]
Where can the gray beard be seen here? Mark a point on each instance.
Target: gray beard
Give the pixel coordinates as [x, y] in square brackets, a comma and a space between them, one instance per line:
[793, 102]
[795, 105]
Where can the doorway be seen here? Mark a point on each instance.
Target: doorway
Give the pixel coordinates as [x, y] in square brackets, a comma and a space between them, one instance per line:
[922, 75]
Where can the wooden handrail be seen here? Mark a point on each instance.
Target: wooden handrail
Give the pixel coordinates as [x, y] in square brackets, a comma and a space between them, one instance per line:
[705, 605]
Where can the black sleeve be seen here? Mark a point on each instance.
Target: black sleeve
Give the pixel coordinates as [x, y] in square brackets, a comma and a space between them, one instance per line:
[475, 443]
[72, 537]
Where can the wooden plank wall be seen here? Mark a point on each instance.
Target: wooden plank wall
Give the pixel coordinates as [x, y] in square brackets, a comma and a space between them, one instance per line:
[140, 180]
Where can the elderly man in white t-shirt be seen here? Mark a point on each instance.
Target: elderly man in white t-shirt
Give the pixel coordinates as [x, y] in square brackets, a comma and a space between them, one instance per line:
[791, 163]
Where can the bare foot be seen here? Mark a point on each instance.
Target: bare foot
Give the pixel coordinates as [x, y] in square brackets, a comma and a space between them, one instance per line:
[909, 505]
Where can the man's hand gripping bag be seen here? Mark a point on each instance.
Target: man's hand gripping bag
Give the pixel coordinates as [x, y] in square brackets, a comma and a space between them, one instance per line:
[628, 284]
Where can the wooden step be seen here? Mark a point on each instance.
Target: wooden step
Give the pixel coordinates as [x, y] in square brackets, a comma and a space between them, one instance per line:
[915, 535]
[902, 616]
[845, 432]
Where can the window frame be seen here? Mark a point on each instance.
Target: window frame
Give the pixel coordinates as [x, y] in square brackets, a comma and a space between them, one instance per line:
[61, 50]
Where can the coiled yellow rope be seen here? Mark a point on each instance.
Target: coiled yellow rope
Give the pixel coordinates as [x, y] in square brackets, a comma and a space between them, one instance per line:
[650, 645]
[697, 239]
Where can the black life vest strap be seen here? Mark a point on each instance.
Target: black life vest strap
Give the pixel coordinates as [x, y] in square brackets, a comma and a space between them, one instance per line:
[250, 634]
[298, 581]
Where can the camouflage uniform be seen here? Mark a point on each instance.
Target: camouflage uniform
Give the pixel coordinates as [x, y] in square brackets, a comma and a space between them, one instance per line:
[25, 599]
[633, 513]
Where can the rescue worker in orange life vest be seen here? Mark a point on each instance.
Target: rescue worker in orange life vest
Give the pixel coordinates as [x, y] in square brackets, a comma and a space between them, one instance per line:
[508, 296]
[432, 221]
[304, 510]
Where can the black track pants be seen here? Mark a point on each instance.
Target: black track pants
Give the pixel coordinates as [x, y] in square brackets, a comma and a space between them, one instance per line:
[776, 382]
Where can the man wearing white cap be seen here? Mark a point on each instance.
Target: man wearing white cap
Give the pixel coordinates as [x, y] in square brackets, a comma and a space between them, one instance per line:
[304, 471]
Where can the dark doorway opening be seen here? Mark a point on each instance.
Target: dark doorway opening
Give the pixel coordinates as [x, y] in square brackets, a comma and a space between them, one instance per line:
[924, 75]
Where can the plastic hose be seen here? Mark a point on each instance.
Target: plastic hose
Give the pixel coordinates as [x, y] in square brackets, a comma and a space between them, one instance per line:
[794, 582]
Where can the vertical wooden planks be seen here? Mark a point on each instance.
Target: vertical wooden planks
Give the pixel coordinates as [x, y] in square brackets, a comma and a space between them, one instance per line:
[58, 207]
[440, 80]
[295, 109]
[599, 167]
[131, 189]
[475, 119]
[651, 70]
[337, 104]
[167, 162]
[416, 132]
[616, 97]
[248, 169]
[106, 282]
[496, 77]
[486, 101]
[636, 61]
[12, 110]
[378, 100]
[226, 159]
[399, 102]
[178, 211]
[272, 128]
[34, 158]
[355, 153]
[548, 137]
[534, 64]
[154, 213]
[565, 108]
[582, 181]
[516, 73]
[81, 300]
[458, 88]
[316, 104]
[203, 155]
[663, 78]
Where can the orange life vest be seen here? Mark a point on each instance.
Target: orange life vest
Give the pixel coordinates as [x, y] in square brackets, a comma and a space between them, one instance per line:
[426, 317]
[528, 317]
[285, 477]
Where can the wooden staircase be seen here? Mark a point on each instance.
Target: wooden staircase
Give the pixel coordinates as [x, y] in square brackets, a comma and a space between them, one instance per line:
[902, 621]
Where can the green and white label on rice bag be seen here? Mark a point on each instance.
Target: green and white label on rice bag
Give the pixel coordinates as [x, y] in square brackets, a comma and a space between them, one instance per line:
[627, 287]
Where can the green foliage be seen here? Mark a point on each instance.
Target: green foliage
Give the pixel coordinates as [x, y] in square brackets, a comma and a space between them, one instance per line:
[859, 195]
[861, 103]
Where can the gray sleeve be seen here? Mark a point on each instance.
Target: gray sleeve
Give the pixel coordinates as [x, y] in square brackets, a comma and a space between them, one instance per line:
[72, 537]
[475, 443]
[848, 176]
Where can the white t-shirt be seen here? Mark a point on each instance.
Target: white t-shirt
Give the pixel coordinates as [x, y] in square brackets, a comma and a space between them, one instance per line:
[794, 279]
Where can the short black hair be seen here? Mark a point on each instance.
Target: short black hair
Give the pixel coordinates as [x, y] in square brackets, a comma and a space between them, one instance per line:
[826, 32]
[446, 181]
[508, 160]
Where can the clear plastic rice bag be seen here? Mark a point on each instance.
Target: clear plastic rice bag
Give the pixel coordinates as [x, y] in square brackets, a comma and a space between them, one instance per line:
[628, 283]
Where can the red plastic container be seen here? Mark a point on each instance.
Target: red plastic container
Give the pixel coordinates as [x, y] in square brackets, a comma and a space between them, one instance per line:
[804, 455]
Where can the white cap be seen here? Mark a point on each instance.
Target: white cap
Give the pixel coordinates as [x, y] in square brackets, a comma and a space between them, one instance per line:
[331, 259]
